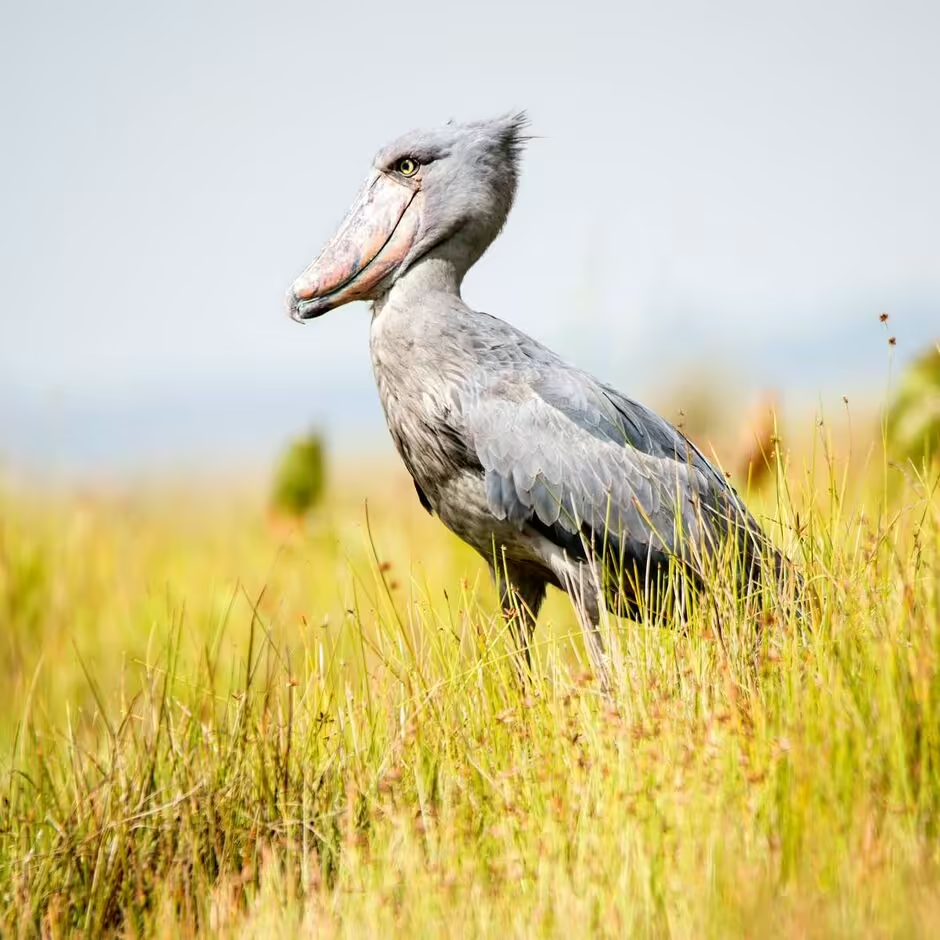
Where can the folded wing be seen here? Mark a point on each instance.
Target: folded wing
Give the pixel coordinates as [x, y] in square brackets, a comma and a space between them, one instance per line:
[581, 463]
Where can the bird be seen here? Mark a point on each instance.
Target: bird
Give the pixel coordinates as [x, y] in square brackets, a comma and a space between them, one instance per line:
[555, 477]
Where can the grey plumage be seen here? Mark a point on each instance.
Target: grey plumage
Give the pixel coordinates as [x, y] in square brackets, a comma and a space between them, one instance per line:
[548, 472]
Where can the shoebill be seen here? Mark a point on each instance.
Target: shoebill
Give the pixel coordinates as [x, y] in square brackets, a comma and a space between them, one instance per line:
[552, 475]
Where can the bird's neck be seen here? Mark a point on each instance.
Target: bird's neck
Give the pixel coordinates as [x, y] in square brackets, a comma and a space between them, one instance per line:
[438, 272]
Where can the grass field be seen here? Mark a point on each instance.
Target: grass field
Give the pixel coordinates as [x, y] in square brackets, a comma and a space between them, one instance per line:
[211, 724]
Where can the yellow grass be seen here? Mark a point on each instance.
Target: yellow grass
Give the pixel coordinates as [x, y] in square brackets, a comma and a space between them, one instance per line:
[212, 724]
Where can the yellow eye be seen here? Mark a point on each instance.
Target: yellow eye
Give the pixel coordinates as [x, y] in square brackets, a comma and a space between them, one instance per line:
[406, 166]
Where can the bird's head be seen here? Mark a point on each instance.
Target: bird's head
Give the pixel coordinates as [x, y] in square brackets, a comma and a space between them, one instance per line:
[448, 189]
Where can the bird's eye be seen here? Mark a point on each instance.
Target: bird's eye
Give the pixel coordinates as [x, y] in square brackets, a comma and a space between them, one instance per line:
[406, 166]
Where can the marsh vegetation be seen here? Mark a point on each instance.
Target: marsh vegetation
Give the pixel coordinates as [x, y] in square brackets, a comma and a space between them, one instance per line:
[214, 726]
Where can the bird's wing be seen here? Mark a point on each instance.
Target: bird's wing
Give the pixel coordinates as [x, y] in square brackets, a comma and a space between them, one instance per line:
[572, 457]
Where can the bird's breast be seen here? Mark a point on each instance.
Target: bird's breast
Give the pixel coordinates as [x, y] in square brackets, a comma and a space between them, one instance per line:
[420, 397]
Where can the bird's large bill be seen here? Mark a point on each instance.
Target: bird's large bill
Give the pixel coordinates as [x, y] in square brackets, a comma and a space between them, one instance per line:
[374, 238]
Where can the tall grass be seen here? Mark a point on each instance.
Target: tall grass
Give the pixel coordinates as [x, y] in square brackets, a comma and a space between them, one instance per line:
[212, 727]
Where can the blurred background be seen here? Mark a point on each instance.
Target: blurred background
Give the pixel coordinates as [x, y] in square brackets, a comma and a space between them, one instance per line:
[722, 200]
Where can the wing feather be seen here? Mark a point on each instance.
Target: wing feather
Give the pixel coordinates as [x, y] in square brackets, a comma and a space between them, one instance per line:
[572, 457]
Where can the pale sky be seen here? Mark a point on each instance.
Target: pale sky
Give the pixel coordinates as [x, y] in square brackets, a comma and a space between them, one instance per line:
[743, 181]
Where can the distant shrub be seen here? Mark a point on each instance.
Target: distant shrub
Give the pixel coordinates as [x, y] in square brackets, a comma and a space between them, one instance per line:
[913, 416]
[754, 454]
[299, 477]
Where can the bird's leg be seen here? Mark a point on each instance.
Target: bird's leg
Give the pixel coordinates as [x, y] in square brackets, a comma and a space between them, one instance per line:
[584, 588]
[520, 595]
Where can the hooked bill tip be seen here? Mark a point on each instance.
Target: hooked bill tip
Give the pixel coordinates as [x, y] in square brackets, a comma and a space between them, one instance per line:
[302, 309]
[294, 307]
